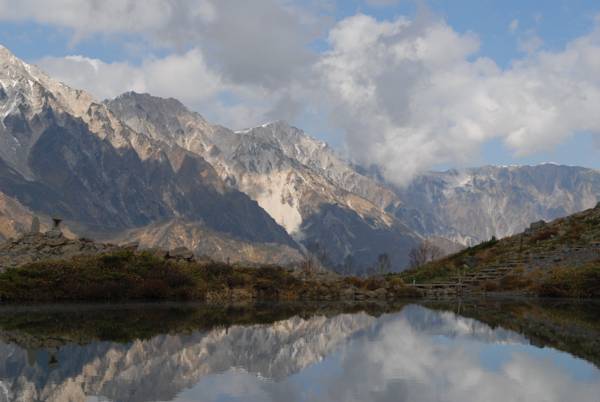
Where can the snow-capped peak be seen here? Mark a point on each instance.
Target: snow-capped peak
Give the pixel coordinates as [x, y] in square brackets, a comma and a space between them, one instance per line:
[264, 125]
[31, 85]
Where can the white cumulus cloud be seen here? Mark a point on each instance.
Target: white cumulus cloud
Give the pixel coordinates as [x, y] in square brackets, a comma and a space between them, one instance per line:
[185, 76]
[415, 94]
[407, 94]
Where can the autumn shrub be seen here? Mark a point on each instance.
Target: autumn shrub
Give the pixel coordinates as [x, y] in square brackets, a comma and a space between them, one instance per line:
[483, 245]
[515, 280]
[490, 286]
[353, 281]
[216, 272]
[373, 283]
[574, 232]
[239, 279]
[396, 282]
[544, 234]
[116, 276]
[153, 289]
[579, 282]
[436, 270]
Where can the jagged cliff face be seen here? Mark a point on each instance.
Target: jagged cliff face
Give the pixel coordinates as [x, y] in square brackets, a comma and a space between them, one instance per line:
[26, 95]
[63, 154]
[473, 205]
[317, 197]
[319, 157]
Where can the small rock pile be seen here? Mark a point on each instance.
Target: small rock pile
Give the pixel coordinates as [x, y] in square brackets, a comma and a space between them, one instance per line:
[51, 245]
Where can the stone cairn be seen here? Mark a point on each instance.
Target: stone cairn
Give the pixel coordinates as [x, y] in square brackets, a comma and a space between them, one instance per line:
[55, 231]
[35, 225]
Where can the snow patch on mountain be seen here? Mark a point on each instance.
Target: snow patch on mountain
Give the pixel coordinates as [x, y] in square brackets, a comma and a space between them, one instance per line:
[277, 197]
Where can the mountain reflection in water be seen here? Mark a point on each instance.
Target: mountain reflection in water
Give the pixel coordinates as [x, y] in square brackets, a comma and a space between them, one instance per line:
[405, 353]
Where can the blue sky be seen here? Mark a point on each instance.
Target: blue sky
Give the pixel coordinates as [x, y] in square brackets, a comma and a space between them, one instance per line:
[241, 65]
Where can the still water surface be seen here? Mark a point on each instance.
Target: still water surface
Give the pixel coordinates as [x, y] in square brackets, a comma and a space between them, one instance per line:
[501, 351]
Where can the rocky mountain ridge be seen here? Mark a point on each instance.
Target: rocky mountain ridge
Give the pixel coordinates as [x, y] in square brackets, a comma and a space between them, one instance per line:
[65, 155]
[473, 205]
[318, 198]
[149, 168]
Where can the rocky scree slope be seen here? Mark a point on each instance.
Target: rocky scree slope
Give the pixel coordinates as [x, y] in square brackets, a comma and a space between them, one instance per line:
[178, 233]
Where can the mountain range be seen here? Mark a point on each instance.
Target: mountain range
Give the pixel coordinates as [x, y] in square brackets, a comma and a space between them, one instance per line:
[144, 168]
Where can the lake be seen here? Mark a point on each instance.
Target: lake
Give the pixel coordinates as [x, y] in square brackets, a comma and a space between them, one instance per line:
[494, 350]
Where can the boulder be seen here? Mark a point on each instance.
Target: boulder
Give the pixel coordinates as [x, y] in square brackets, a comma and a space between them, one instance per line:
[131, 246]
[54, 233]
[181, 253]
[360, 295]
[57, 241]
[537, 225]
[380, 293]
[348, 294]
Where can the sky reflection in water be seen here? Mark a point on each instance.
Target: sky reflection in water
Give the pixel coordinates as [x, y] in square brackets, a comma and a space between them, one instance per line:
[416, 354]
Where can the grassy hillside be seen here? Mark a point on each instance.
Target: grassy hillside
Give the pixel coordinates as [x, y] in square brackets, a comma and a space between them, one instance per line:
[558, 259]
